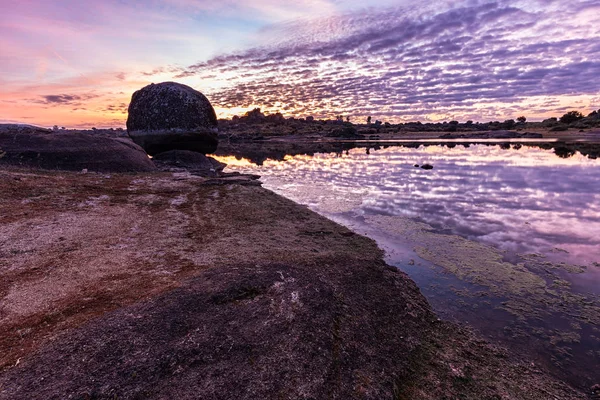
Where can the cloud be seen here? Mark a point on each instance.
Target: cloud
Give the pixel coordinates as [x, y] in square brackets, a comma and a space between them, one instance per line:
[460, 59]
[395, 62]
[65, 99]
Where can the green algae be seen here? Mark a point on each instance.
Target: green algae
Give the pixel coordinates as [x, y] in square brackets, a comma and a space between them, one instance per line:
[468, 260]
[540, 261]
[535, 291]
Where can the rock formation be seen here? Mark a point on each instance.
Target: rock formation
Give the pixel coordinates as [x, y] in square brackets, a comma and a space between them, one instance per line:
[32, 146]
[171, 116]
[190, 160]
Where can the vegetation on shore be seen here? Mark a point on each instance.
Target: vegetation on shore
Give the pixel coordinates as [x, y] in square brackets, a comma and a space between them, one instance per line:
[570, 120]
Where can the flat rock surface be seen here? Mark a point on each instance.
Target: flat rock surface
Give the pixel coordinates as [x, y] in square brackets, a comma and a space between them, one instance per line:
[30, 146]
[158, 286]
[189, 160]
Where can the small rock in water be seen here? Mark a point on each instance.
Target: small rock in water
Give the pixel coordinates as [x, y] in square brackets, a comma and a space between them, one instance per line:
[417, 165]
[427, 166]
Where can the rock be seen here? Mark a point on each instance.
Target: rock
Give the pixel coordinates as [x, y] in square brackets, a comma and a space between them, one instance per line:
[346, 132]
[32, 146]
[452, 136]
[190, 160]
[500, 134]
[427, 166]
[171, 116]
[532, 135]
[244, 180]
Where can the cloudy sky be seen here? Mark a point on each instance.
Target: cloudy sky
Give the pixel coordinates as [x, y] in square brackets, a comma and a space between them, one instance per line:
[76, 63]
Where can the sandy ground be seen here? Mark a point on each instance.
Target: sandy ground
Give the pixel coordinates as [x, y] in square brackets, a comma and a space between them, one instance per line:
[167, 285]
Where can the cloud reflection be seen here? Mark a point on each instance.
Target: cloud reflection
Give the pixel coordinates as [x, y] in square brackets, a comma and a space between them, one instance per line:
[526, 201]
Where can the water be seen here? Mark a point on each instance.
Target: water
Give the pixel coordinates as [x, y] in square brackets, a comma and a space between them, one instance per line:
[505, 238]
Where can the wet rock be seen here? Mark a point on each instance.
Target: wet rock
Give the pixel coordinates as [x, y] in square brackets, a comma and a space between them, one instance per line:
[171, 116]
[190, 160]
[35, 147]
[244, 180]
[427, 166]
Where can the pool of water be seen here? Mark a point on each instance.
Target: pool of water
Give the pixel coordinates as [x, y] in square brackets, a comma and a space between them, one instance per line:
[505, 238]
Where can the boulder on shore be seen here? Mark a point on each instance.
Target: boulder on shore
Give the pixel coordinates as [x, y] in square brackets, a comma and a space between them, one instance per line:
[32, 146]
[171, 116]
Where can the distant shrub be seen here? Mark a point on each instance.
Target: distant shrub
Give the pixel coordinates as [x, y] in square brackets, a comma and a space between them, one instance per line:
[570, 117]
[522, 119]
[508, 124]
[550, 122]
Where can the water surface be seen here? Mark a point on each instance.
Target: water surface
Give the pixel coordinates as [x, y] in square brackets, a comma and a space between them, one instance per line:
[503, 237]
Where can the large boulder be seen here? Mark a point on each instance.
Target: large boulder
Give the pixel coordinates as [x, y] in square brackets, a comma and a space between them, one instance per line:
[32, 146]
[171, 116]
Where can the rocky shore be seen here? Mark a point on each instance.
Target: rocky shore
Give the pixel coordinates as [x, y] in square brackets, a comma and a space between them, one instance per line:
[165, 285]
[129, 277]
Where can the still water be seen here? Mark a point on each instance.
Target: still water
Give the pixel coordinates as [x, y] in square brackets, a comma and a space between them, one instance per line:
[503, 238]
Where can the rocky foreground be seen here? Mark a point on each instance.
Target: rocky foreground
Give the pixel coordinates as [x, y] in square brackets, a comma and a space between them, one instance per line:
[169, 285]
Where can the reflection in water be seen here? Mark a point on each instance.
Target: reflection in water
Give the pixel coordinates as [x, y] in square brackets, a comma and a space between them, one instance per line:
[524, 201]
[534, 216]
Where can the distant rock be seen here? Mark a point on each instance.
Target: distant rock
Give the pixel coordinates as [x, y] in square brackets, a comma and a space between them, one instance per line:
[346, 132]
[32, 146]
[190, 160]
[501, 134]
[532, 135]
[171, 116]
[427, 166]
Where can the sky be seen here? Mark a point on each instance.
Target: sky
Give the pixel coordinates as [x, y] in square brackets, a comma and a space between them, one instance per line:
[77, 63]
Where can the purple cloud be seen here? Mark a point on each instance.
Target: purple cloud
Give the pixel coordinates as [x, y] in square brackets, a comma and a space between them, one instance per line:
[61, 99]
[395, 62]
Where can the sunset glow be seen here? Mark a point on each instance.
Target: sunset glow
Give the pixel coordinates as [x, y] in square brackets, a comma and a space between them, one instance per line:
[77, 63]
